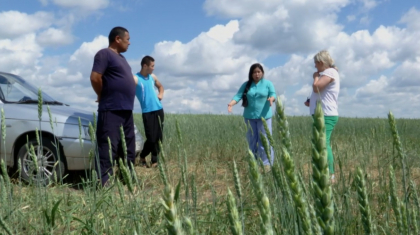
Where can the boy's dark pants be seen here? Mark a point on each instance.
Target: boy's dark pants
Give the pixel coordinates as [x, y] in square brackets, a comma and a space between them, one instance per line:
[153, 127]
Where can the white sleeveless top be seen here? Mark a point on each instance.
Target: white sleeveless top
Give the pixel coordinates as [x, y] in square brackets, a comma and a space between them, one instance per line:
[328, 96]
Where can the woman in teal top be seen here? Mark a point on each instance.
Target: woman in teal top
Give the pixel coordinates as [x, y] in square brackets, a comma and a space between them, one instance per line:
[257, 96]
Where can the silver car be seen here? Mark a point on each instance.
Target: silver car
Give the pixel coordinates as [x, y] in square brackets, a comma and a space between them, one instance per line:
[64, 141]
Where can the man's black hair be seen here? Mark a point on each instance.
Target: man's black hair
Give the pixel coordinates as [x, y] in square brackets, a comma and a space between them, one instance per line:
[116, 31]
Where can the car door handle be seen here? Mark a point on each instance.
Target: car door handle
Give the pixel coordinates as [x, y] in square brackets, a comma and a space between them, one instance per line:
[8, 125]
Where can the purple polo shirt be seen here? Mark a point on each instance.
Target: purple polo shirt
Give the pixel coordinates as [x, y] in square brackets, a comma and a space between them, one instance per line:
[118, 86]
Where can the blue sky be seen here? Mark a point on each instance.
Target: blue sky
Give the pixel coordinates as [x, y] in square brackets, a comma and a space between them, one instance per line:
[203, 49]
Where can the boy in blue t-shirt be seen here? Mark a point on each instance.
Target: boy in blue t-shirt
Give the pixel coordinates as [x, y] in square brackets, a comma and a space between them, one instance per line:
[152, 111]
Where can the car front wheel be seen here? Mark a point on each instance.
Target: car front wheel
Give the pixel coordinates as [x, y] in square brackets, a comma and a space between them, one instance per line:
[38, 166]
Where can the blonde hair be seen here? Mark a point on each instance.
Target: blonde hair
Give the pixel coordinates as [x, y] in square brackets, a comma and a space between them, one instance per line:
[324, 57]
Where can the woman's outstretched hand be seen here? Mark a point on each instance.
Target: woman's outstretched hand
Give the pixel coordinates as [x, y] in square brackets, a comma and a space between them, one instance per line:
[271, 99]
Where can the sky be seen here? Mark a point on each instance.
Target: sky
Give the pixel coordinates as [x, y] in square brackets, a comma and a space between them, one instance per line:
[203, 49]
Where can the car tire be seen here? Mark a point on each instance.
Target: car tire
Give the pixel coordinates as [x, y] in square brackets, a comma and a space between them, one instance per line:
[49, 162]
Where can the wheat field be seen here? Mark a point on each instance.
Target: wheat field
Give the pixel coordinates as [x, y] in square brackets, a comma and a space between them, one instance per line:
[209, 183]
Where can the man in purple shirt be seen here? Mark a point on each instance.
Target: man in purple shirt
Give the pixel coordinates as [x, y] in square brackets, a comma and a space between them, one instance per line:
[113, 82]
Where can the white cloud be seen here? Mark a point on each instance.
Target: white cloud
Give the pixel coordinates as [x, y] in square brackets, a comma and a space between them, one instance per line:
[373, 87]
[72, 79]
[294, 71]
[305, 90]
[44, 2]
[369, 4]
[282, 26]
[378, 67]
[237, 8]
[360, 56]
[223, 33]
[407, 74]
[14, 23]
[365, 20]
[53, 37]
[83, 5]
[82, 58]
[206, 55]
[19, 54]
[412, 19]
[351, 18]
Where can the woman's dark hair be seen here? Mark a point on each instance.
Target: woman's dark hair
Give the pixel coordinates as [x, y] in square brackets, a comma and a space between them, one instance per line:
[248, 84]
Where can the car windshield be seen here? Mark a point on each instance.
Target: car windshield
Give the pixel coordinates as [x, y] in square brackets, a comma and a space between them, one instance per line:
[13, 89]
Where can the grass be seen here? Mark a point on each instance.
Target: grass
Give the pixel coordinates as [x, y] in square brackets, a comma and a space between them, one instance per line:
[198, 167]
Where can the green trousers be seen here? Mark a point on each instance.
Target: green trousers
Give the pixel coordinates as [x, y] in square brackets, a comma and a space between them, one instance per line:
[330, 122]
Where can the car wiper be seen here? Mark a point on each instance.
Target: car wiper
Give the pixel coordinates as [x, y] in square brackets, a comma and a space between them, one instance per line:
[36, 101]
[53, 102]
[27, 102]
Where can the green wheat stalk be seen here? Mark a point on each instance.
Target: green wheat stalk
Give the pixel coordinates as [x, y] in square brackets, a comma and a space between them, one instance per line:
[404, 218]
[238, 189]
[40, 104]
[401, 155]
[3, 132]
[283, 125]
[262, 199]
[316, 229]
[5, 175]
[3, 192]
[37, 136]
[364, 202]
[126, 175]
[4, 226]
[395, 201]
[174, 225]
[296, 188]
[270, 140]
[124, 145]
[34, 158]
[414, 218]
[120, 191]
[267, 149]
[320, 174]
[415, 197]
[57, 146]
[194, 196]
[162, 165]
[189, 226]
[235, 222]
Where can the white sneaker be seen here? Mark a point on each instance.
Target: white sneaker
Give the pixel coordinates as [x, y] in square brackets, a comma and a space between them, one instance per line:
[332, 179]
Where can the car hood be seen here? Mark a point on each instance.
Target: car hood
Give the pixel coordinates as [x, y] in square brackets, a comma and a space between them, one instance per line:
[59, 113]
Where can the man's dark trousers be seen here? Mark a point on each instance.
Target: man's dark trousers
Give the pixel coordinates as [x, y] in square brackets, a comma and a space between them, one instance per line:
[108, 126]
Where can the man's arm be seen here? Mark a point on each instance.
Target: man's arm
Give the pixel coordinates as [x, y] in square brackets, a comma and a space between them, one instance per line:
[100, 63]
[136, 80]
[96, 81]
[159, 87]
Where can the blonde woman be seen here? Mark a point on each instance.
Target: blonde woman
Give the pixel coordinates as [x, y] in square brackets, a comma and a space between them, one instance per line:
[325, 88]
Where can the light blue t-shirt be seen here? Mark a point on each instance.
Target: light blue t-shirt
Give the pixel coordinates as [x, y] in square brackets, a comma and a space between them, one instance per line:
[258, 105]
[146, 94]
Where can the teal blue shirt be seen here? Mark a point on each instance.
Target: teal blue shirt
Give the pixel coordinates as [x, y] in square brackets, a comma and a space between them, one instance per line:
[258, 105]
[146, 94]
